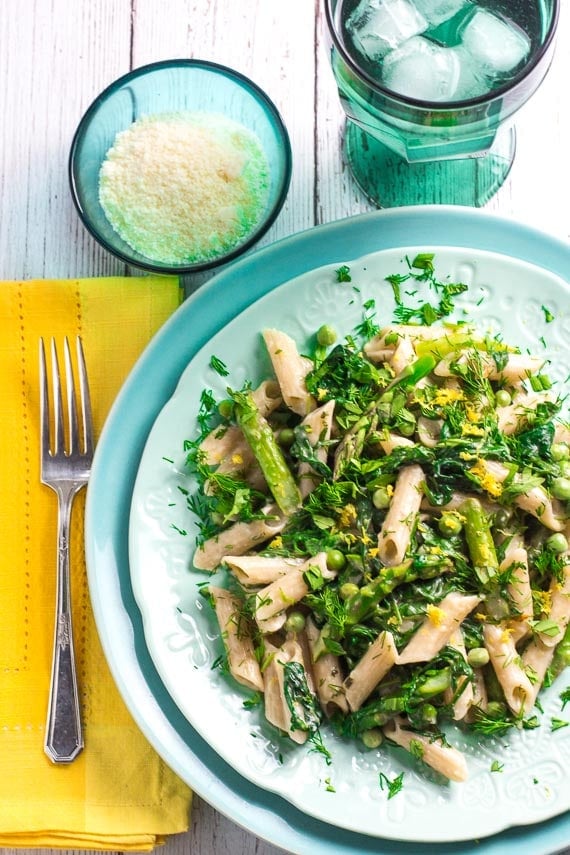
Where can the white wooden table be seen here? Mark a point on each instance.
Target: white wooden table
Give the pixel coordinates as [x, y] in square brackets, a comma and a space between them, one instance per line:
[56, 56]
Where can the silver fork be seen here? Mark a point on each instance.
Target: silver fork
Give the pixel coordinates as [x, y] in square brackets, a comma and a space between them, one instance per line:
[66, 472]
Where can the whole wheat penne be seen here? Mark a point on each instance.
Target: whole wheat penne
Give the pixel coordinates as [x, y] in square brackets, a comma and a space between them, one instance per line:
[507, 664]
[396, 531]
[238, 539]
[291, 370]
[438, 627]
[238, 642]
[443, 758]
[368, 671]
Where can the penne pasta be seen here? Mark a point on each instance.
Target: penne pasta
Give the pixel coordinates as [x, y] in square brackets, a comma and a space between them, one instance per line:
[441, 757]
[253, 570]
[274, 600]
[559, 612]
[438, 627]
[396, 531]
[238, 642]
[509, 669]
[369, 671]
[291, 370]
[463, 697]
[327, 674]
[238, 539]
[277, 708]
[318, 426]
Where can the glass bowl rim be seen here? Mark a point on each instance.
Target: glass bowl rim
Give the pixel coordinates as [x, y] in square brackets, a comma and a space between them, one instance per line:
[443, 106]
[244, 82]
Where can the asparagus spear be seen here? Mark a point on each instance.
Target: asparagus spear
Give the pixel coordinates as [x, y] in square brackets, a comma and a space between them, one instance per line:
[259, 436]
[354, 439]
[484, 557]
[479, 541]
[361, 603]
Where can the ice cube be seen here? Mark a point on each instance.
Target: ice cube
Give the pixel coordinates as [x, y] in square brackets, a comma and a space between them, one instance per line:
[495, 43]
[437, 11]
[422, 69]
[472, 82]
[379, 26]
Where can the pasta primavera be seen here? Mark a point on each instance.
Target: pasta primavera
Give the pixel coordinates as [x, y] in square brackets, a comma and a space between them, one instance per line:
[392, 509]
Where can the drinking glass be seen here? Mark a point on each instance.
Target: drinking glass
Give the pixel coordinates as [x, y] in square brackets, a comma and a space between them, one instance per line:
[404, 150]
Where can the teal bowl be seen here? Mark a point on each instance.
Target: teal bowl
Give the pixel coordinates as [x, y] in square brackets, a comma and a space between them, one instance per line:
[176, 86]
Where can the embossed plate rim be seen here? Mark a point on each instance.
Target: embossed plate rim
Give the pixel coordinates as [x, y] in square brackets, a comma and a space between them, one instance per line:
[319, 807]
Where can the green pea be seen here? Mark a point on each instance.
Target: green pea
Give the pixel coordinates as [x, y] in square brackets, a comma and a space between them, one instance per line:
[295, 622]
[557, 543]
[428, 714]
[501, 518]
[372, 738]
[450, 524]
[381, 498]
[407, 424]
[349, 589]
[326, 335]
[559, 451]
[502, 398]
[335, 560]
[496, 709]
[564, 468]
[478, 657]
[561, 488]
[226, 409]
[286, 437]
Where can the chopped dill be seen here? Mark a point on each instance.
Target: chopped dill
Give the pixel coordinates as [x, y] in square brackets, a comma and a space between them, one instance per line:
[343, 274]
[218, 366]
[393, 787]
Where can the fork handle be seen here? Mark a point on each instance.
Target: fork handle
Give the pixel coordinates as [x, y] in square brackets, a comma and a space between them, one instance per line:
[64, 737]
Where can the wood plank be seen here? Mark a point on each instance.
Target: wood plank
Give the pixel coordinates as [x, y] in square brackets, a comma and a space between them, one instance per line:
[56, 57]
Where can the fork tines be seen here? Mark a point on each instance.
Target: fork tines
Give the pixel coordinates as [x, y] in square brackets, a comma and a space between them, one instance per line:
[73, 428]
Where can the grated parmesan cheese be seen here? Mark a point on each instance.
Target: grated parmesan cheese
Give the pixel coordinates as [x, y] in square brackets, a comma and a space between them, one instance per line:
[184, 187]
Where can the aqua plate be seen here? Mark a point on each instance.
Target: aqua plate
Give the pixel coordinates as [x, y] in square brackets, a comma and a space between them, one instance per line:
[505, 297]
[246, 796]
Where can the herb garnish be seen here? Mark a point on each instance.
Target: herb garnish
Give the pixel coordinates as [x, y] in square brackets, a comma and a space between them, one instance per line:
[394, 787]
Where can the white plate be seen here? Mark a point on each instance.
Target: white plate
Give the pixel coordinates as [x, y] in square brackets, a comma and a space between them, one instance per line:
[504, 295]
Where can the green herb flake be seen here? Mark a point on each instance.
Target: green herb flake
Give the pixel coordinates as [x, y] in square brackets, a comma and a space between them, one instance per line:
[181, 531]
[329, 788]
[496, 766]
[558, 724]
[417, 749]
[393, 787]
[254, 701]
[218, 366]
[565, 697]
[548, 316]
[343, 274]
[424, 261]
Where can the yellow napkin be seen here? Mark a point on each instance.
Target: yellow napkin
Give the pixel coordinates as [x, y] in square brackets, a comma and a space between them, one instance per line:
[118, 794]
